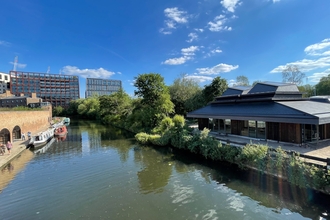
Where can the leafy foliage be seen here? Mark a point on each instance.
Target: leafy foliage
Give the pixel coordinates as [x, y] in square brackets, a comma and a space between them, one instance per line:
[215, 89]
[323, 87]
[182, 90]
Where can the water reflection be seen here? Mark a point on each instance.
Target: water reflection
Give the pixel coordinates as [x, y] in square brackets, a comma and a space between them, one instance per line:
[9, 172]
[99, 172]
[156, 171]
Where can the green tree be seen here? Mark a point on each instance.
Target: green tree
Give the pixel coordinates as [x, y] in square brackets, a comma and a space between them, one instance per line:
[181, 91]
[323, 87]
[292, 74]
[215, 89]
[57, 111]
[89, 108]
[242, 81]
[307, 90]
[155, 99]
[114, 108]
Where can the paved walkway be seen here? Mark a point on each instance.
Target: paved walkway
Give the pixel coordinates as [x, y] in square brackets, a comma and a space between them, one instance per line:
[18, 147]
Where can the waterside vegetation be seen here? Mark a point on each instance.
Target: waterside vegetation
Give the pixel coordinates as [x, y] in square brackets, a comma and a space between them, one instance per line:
[156, 115]
[174, 133]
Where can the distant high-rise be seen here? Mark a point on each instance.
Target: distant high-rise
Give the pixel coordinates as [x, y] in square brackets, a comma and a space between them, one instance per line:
[59, 90]
[101, 86]
[4, 82]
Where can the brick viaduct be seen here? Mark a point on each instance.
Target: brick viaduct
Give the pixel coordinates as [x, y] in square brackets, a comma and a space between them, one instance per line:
[13, 123]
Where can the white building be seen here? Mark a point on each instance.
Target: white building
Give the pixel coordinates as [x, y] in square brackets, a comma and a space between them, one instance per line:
[4, 80]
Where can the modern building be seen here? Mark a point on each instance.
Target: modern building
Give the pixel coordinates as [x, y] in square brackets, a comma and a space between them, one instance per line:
[4, 82]
[57, 89]
[101, 86]
[267, 111]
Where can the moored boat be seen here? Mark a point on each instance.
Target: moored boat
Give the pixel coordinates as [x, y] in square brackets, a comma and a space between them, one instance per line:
[60, 130]
[66, 121]
[41, 138]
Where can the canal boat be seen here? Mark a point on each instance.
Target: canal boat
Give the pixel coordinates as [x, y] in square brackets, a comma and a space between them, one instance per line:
[44, 148]
[60, 130]
[41, 138]
[66, 121]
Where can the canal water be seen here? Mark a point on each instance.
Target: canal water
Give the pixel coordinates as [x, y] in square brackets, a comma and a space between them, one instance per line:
[99, 172]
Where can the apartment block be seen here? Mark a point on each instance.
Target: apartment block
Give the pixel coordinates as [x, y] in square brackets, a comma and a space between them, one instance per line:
[101, 86]
[57, 89]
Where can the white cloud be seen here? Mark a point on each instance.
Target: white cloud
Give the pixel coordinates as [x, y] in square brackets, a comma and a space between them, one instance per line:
[274, 1]
[92, 73]
[218, 24]
[19, 65]
[306, 65]
[192, 37]
[199, 30]
[4, 43]
[187, 54]
[119, 73]
[176, 61]
[174, 16]
[189, 51]
[220, 68]
[199, 78]
[319, 49]
[230, 5]
[213, 52]
[315, 78]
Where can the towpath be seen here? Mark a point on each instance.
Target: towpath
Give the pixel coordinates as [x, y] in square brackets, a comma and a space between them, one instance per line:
[18, 147]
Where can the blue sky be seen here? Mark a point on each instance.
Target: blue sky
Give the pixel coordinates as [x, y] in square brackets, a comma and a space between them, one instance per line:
[203, 39]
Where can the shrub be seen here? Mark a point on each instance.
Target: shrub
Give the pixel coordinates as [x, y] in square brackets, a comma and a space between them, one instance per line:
[142, 138]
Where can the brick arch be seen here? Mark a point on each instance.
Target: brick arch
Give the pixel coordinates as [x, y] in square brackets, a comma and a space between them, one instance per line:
[16, 133]
[4, 136]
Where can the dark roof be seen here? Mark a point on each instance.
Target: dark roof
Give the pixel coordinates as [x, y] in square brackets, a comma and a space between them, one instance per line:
[300, 112]
[271, 102]
[237, 90]
[273, 87]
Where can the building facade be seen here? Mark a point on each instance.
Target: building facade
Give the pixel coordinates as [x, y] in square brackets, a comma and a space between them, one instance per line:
[56, 89]
[101, 86]
[15, 101]
[4, 82]
[267, 111]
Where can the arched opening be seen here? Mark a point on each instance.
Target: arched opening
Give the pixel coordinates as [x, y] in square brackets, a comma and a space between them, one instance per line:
[4, 136]
[16, 133]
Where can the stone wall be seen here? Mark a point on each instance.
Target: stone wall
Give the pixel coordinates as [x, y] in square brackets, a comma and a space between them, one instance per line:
[26, 121]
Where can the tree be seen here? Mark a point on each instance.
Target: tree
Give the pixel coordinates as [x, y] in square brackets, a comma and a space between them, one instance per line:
[156, 102]
[292, 74]
[242, 81]
[57, 111]
[215, 89]
[181, 91]
[323, 87]
[307, 90]
[114, 108]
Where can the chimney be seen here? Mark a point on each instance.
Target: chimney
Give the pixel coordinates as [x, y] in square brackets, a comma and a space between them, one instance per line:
[33, 95]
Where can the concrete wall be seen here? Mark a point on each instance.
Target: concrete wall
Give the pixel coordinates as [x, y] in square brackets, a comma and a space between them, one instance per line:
[31, 121]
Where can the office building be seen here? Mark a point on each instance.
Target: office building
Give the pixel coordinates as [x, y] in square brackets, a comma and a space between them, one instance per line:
[101, 86]
[57, 89]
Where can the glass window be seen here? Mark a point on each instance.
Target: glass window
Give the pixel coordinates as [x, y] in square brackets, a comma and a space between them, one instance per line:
[252, 128]
[228, 126]
[261, 129]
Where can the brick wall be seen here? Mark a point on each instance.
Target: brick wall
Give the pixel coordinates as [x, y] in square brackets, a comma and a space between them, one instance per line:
[26, 120]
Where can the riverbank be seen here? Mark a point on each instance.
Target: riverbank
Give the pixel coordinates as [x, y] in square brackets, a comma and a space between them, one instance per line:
[18, 147]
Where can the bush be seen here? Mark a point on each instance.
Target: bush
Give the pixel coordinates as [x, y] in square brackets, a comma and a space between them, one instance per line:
[142, 138]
